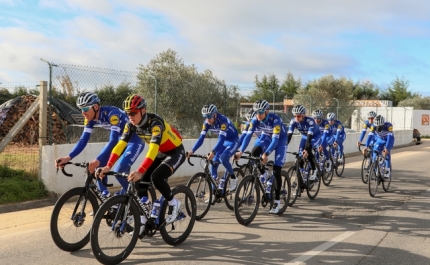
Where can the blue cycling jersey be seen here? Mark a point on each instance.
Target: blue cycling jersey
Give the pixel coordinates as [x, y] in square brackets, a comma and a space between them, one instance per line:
[271, 126]
[110, 118]
[305, 127]
[366, 125]
[322, 125]
[222, 127]
[336, 129]
[384, 133]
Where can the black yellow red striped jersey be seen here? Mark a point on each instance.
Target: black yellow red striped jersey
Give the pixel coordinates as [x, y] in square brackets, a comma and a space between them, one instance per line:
[160, 136]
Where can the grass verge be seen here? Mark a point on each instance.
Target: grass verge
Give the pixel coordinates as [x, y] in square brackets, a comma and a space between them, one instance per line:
[19, 186]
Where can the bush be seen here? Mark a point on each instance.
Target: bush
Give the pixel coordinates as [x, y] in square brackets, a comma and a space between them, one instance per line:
[19, 186]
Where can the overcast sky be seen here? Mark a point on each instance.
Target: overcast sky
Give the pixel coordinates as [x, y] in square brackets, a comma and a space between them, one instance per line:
[376, 40]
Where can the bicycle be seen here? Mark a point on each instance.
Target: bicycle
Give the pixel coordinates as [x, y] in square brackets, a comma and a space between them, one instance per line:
[70, 229]
[338, 166]
[297, 179]
[112, 243]
[376, 171]
[327, 175]
[248, 193]
[365, 165]
[205, 188]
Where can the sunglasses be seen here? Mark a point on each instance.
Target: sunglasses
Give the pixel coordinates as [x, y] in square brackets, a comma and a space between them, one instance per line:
[132, 114]
[370, 118]
[208, 116]
[86, 109]
[298, 116]
[260, 111]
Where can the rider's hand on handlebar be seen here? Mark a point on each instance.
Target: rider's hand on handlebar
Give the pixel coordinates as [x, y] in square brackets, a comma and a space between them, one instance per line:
[211, 155]
[189, 153]
[264, 158]
[100, 172]
[93, 165]
[59, 162]
[358, 144]
[364, 150]
[335, 144]
[320, 149]
[237, 156]
[385, 152]
[305, 153]
[134, 176]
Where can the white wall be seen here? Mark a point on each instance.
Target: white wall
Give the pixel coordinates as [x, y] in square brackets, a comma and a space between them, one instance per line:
[60, 183]
[417, 122]
[400, 117]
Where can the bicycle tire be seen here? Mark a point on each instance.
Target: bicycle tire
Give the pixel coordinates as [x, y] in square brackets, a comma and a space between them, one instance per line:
[294, 183]
[327, 176]
[177, 232]
[373, 179]
[365, 170]
[57, 217]
[105, 240]
[247, 194]
[201, 188]
[386, 183]
[313, 186]
[229, 196]
[285, 192]
[340, 166]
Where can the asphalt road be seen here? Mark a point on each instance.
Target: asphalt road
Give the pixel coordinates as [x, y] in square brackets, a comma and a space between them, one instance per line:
[343, 225]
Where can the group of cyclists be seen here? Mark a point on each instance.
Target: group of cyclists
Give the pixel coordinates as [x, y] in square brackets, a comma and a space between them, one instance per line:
[132, 127]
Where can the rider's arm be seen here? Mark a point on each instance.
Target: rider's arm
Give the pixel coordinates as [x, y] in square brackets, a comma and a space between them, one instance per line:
[244, 133]
[221, 137]
[363, 132]
[121, 145]
[115, 131]
[157, 128]
[201, 138]
[370, 136]
[80, 145]
[339, 131]
[390, 138]
[275, 139]
[247, 139]
[325, 133]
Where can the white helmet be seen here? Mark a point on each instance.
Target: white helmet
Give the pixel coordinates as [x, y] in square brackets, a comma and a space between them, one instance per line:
[87, 99]
[209, 110]
[371, 114]
[250, 115]
[317, 114]
[299, 109]
[261, 104]
[379, 120]
[331, 116]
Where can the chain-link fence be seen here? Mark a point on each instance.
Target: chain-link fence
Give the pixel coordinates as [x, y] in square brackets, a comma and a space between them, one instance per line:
[22, 152]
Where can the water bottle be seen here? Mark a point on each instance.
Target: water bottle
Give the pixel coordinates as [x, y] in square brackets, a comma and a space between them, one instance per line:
[145, 203]
[221, 184]
[269, 184]
[155, 209]
[263, 177]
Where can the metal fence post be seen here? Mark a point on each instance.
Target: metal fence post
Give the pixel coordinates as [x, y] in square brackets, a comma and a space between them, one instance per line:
[43, 88]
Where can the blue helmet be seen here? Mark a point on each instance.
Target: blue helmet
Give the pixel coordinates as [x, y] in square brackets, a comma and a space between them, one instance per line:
[208, 111]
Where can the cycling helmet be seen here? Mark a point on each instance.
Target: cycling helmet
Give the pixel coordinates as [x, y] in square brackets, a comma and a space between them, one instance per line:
[250, 115]
[261, 104]
[209, 110]
[379, 120]
[331, 116]
[86, 99]
[299, 109]
[371, 114]
[133, 103]
[317, 114]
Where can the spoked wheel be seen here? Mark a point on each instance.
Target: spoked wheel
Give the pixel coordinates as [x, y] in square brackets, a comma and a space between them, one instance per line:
[285, 192]
[327, 176]
[202, 191]
[313, 186]
[386, 183]
[365, 166]
[295, 185]
[111, 244]
[69, 231]
[247, 200]
[373, 179]
[229, 196]
[177, 232]
[340, 165]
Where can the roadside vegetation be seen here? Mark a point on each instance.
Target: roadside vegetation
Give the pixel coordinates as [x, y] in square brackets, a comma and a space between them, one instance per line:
[20, 186]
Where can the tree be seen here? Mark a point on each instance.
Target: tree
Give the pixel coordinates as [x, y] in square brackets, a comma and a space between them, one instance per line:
[290, 85]
[365, 90]
[114, 96]
[397, 91]
[321, 93]
[268, 88]
[180, 92]
[4, 95]
[417, 102]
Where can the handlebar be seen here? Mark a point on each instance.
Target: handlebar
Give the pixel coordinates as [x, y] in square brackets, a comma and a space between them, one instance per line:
[237, 162]
[83, 165]
[124, 175]
[205, 157]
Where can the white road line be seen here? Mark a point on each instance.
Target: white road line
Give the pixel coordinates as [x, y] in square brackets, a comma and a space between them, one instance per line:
[320, 248]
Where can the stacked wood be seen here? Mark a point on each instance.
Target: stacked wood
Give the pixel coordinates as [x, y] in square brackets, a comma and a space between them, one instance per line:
[29, 134]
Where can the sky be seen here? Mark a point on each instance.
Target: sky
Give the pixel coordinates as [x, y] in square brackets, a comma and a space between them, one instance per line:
[367, 40]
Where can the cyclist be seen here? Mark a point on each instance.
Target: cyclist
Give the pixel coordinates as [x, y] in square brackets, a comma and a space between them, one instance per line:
[311, 136]
[339, 135]
[165, 154]
[272, 138]
[225, 147]
[367, 125]
[107, 117]
[383, 141]
[245, 128]
[326, 138]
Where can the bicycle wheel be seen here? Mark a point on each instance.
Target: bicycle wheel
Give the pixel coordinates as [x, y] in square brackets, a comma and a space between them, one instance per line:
[71, 233]
[294, 183]
[327, 176]
[200, 186]
[177, 232]
[285, 192]
[112, 243]
[373, 179]
[340, 165]
[229, 196]
[365, 170]
[313, 186]
[247, 200]
[386, 182]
